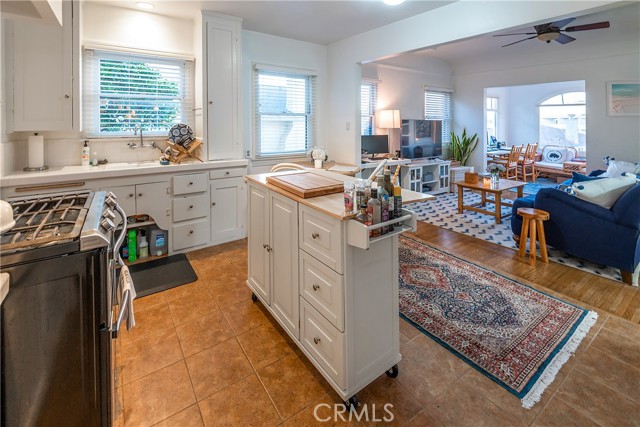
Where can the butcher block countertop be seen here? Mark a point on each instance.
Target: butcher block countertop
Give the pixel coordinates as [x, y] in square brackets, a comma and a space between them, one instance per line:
[331, 204]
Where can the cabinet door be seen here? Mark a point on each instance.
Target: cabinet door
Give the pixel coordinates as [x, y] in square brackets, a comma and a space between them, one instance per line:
[228, 209]
[284, 262]
[154, 200]
[222, 91]
[43, 74]
[258, 229]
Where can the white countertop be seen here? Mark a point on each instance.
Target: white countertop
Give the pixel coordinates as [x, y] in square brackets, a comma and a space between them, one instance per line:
[110, 170]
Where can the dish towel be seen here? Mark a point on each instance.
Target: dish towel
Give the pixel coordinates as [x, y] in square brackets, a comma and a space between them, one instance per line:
[126, 284]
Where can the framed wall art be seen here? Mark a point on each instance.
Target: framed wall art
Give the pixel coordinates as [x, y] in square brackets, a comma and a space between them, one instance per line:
[623, 98]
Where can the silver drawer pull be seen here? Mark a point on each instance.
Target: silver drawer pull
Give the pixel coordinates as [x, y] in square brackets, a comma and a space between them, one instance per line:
[131, 194]
[190, 206]
[139, 194]
[264, 246]
[191, 183]
[190, 231]
[315, 287]
[315, 235]
[316, 340]
[269, 248]
[213, 204]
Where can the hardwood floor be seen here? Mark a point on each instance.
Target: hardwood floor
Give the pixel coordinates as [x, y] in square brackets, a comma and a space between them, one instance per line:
[613, 297]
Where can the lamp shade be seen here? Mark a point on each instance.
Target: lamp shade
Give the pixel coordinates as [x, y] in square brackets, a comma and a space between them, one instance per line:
[389, 119]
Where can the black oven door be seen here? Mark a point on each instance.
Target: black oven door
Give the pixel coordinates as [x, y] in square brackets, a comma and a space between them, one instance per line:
[54, 333]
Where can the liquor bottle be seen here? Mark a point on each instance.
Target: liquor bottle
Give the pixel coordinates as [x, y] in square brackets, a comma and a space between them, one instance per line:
[383, 196]
[374, 212]
[363, 216]
[388, 186]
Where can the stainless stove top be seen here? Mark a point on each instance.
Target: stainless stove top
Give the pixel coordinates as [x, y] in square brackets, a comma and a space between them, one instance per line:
[46, 220]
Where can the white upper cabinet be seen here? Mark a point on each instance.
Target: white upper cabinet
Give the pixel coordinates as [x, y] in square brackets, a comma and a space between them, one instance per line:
[46, 86]
[222, 56]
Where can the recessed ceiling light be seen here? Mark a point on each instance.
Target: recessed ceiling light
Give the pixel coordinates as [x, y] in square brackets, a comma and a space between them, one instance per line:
[145, 6]
[393, 2]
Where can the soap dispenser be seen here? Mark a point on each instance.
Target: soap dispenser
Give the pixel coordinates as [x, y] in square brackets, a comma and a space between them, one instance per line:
[85, 154]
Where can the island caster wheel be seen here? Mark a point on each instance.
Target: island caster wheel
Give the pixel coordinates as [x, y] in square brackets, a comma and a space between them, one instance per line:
[353, 403]
[254, 297]
[393, 372]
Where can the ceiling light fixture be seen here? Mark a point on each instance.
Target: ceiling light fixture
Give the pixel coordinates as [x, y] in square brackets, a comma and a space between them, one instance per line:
[145, 6]
[548, 36]
[393, 2]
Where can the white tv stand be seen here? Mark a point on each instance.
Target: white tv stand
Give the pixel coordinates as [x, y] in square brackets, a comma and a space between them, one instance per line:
[426, 176]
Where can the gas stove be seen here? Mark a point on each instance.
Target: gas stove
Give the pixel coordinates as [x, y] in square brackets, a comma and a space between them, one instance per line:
[84, 218]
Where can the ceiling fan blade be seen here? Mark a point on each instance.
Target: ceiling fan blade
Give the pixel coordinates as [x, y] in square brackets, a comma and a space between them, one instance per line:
[594, 26]
[561, 23]
[514, 34]
[528, 38]
[564, 39]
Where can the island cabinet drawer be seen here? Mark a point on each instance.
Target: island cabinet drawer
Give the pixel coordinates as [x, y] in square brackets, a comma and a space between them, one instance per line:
[191, 233]
[323, 288]
[191, 207]
[321, 236]
[227, 173]
[324, 342]
[190, 183]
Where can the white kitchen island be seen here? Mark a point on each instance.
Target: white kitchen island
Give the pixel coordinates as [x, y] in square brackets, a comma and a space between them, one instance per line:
[333, 289]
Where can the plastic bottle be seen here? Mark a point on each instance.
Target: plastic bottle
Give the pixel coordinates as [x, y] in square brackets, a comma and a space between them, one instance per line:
[374, 212]
[144, 245]
[397, 202]
[95, 158]
[389, 187]
[349, 196]
[132, 245]
[86, 152]
[124, 249]
[383, 196]
[157, 241]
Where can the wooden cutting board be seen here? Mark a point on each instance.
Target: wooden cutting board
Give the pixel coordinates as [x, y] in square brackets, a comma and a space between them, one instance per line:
[306, 184]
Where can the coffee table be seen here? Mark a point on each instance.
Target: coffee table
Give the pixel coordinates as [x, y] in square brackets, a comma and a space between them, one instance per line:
[503, 185]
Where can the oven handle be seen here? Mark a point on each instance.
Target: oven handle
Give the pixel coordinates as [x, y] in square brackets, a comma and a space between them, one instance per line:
[124, 304]
[123, 233]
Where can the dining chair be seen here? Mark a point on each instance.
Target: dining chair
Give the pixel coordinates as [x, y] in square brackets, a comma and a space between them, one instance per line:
[287, 166]
[511, 163]
[527, 165]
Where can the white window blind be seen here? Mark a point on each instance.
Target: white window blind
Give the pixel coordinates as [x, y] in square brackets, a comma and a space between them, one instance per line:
[368, 102]
[437, 106]
[126, 91]
[284, 112]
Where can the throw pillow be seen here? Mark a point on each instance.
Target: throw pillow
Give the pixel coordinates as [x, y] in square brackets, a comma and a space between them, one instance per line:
[618, 167]
[604, 192]
[558, 154]
[578, 177]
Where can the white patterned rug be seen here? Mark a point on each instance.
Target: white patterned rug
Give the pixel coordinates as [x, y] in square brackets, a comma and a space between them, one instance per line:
[443, 212]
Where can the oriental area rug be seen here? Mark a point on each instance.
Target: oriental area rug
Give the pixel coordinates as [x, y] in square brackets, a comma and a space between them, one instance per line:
[513, 334]
[443, 212]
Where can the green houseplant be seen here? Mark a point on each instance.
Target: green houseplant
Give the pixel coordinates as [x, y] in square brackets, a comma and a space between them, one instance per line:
[462, 146]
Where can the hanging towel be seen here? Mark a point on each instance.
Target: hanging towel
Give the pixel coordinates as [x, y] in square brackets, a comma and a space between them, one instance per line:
[125, 284]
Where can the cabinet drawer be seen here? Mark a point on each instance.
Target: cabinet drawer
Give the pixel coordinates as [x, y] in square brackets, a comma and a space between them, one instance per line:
[190, 207]
[227, 173]
[190, 183]
[323, 288]
[324, 342]
[321, 236]
[189, 234]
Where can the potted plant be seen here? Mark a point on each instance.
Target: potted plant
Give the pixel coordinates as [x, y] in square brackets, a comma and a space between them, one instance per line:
[462, 146]
[318, 155]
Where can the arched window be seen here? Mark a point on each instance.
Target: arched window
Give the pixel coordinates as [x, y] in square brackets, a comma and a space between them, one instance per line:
[563, 120]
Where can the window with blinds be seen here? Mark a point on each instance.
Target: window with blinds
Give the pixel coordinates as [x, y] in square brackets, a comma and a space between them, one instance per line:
[437, 106]
[285, 112]
[368, 101]
[124, 92]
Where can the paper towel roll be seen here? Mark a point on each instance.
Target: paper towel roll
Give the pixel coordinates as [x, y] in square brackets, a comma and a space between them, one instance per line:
[36, 151]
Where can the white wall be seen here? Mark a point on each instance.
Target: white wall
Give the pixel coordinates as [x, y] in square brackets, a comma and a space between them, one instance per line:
[455, 21]
[266, 49]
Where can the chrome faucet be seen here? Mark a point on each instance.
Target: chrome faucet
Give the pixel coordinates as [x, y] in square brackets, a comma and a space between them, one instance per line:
[133, 145]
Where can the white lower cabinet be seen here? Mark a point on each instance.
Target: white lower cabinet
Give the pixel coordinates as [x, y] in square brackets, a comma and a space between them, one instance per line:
[228, 209]
[191, 224]
[144, 199]
[338, 302]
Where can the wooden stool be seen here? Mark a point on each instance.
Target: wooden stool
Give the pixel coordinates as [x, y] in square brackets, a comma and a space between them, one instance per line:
[532, 220]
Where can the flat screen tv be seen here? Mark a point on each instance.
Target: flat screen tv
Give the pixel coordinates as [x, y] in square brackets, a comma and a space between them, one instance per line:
[421, 139]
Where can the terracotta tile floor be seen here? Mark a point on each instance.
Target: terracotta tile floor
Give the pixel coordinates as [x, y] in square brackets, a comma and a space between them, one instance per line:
[205, 354]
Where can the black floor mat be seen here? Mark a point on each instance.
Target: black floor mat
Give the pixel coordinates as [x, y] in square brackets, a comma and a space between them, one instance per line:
[161, 274]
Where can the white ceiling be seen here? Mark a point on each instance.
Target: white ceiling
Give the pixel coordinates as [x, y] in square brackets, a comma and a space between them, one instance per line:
[623, 17]
[322, 22]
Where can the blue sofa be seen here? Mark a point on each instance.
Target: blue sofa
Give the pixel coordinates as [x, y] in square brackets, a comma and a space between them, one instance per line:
[585, 230]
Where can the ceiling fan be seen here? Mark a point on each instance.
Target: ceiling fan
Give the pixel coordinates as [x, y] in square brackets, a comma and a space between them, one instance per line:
[553, 31]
